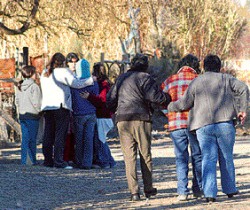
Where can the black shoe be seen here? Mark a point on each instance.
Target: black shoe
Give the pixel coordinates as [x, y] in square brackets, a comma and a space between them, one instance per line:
[135, 197]
[150, 193]
[198, 195]
[210, 200]
[231, 195]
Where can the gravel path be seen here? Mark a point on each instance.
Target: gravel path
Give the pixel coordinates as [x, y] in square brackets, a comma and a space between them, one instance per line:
[37, 187]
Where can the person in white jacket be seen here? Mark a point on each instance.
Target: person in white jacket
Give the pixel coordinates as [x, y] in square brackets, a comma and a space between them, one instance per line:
[56, 81]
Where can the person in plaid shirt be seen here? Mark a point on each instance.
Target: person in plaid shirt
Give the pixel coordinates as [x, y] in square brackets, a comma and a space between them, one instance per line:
[176, 85]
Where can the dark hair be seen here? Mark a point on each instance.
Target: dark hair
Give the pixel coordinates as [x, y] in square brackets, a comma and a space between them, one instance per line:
[71, 56]
[57, 60]
[212, 63]
[99, 73]
[191, 61]
[139, 62]
[27, 72]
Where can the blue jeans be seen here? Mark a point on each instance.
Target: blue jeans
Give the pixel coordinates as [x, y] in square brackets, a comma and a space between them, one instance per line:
[28, 145]
[217, 142]
[102, 154]
[181, 138]
[84, 138]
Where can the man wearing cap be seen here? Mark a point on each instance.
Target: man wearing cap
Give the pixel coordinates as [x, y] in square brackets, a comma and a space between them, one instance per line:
[131, 98]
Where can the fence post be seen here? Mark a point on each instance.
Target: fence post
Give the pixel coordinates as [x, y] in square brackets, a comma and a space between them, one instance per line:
[25, 56]
[102, 58]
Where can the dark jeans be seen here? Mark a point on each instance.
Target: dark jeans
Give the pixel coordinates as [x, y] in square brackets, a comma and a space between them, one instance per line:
[55, 132]
[84, 138]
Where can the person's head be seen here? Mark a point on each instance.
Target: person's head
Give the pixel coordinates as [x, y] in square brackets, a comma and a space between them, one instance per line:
[27, 72]
[212, 63]
[71, 60]
[56, 61]
[139, 62]
[99, 71]
[83, 69]
[190, 60]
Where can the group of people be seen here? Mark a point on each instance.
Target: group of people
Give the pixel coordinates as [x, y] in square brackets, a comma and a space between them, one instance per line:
[72, 103]
[201, 112]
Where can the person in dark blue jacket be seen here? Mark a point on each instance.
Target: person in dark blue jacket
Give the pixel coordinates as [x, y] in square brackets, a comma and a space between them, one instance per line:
[84, 115]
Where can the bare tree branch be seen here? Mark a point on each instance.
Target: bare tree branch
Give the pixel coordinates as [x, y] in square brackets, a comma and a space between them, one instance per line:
[8, 31]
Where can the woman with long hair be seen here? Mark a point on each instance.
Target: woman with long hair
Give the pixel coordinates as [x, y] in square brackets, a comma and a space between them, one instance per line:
[102, 154]
[56, 81]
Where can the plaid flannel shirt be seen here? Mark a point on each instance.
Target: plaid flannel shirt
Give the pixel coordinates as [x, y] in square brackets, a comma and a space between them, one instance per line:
[176, 85]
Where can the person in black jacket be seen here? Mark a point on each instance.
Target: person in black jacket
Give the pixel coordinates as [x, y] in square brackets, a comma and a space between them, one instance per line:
[130, 98]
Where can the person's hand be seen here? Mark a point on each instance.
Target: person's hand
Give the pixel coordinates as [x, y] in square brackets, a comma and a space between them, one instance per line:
[94, 78]
[242, 117]
[84, 94]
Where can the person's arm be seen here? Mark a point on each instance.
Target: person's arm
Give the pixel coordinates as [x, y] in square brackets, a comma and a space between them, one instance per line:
[100, 100]
[185, 103]
[164, 87]
[153, 93]
[241, 91]
[36, 97]
[112, 98]
[66, 77]
[96, 100]
[242, 117]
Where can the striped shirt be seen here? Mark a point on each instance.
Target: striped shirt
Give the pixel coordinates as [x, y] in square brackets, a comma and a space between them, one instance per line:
[176, 85]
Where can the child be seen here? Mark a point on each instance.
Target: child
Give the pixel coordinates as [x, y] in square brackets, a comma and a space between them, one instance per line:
[102, 154]
[84, 117]
[28, 101]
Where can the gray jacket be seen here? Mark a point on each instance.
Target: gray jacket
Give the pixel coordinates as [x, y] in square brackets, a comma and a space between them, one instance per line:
[28, 100]
[212, 96]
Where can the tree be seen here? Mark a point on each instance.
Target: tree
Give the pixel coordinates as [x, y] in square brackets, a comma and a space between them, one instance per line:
[21, 12]
[197, 26]
[94, 26]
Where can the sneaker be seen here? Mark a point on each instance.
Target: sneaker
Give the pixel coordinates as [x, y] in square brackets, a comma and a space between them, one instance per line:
[95, 166]
[68, 167]
[135, 197]
[182, 197]
[106, 167]
[84, 167]
[113, 165]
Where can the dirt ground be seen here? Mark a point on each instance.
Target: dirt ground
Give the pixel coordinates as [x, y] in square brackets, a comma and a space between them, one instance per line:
[37, 187]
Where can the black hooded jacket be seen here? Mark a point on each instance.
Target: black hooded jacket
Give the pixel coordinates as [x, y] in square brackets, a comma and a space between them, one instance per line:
[132, 95]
